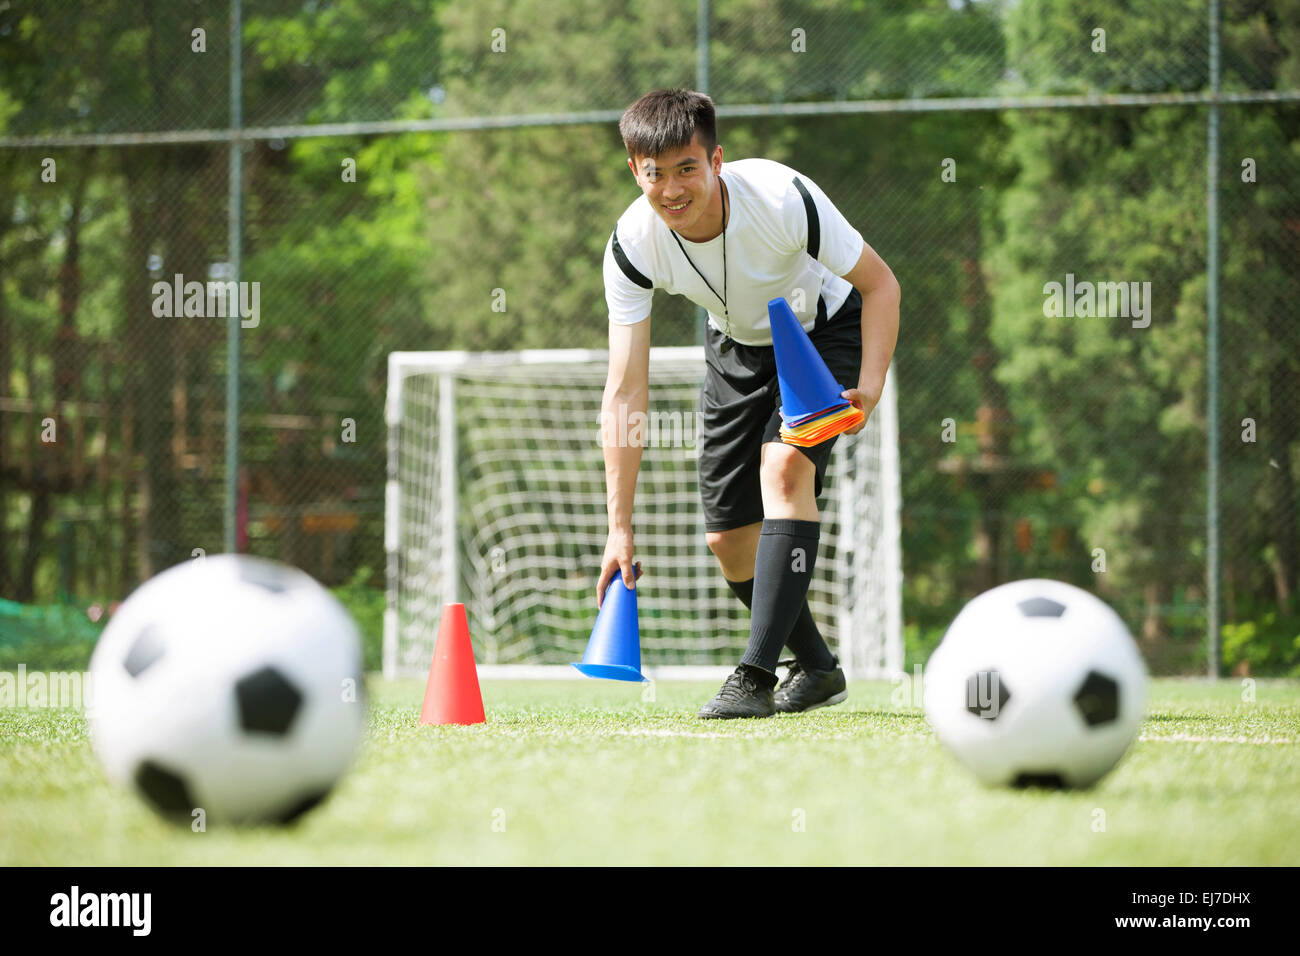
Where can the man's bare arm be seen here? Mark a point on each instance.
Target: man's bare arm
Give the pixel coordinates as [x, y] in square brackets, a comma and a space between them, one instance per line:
[627, 392]
[880, 300]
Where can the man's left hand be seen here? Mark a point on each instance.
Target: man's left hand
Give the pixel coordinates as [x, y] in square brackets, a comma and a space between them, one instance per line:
[864, 400]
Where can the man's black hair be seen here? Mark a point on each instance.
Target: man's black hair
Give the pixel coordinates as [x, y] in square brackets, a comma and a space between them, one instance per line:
[665, 120]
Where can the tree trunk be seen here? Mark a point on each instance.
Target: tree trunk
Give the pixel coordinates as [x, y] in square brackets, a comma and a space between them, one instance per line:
[1282, 517]
[53, 473]
[139, 169]
[993, 423]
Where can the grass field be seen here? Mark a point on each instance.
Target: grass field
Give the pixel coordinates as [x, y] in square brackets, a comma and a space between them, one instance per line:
[588, 772]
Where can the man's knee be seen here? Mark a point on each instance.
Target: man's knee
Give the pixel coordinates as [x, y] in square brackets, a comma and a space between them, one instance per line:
[735, 550]
[786, 473]
[726, 545]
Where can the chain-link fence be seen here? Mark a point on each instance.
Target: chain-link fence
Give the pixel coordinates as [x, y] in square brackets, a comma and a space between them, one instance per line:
[435, 175]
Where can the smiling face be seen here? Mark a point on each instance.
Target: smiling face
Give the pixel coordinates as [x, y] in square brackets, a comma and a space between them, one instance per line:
[683, 188]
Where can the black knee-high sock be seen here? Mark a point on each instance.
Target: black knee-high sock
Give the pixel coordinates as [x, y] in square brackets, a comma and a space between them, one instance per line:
[783, 566]
[805, 640]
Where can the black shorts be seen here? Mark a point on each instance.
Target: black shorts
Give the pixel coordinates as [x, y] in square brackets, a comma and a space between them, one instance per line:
[739, 412]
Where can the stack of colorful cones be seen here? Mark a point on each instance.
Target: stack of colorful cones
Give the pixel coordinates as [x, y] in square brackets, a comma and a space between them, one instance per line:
[812, 409]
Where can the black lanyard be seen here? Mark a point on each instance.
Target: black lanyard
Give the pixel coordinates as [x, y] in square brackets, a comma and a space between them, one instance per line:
[726, 316]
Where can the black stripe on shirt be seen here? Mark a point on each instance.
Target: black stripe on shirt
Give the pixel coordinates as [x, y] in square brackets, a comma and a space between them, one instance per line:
[814, 223]
[629, 270]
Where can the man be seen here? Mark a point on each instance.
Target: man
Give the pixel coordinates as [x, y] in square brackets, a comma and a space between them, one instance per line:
[730, 238]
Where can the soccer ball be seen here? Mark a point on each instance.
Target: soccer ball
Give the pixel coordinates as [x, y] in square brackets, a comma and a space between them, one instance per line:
[228, 684]
[1036, 683]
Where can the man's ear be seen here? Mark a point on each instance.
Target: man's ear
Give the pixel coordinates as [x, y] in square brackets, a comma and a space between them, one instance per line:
[717, 159]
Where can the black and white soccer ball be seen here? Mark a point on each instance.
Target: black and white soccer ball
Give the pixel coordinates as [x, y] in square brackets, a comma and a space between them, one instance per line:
[1036, 683]
[230, 685]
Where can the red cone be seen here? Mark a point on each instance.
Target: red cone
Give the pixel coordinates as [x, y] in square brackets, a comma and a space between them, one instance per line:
[452, 695]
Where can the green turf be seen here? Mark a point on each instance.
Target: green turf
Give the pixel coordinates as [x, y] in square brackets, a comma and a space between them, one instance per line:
[589, 772]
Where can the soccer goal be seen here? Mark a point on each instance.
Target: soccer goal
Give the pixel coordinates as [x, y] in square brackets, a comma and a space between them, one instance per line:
[496, 499]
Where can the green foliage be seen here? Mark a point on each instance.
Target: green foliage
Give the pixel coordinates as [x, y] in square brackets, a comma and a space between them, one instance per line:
[366, 603]
[1117, 196]
[919, 643]
[1055, 48]
[57, 637]
[1266, 642]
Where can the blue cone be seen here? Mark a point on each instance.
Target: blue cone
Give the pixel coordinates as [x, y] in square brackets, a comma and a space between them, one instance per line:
[614, 650]
[807, 386]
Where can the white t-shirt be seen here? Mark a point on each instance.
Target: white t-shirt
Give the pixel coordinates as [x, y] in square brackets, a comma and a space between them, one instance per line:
[767, 257]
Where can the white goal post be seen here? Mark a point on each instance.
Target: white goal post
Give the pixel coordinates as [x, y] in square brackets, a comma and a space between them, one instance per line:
[496, 499]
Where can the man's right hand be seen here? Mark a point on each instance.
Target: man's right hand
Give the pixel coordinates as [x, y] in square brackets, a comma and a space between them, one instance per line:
[617, 560]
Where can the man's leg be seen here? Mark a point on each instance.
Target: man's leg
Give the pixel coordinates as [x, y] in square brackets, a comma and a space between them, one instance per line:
[736, 551]
[785, 555]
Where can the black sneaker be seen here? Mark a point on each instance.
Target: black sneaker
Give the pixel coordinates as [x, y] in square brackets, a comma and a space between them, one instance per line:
[807, 689]
[745, 693]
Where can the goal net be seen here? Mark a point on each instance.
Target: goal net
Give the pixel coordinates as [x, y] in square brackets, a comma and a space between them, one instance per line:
[496, 499]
